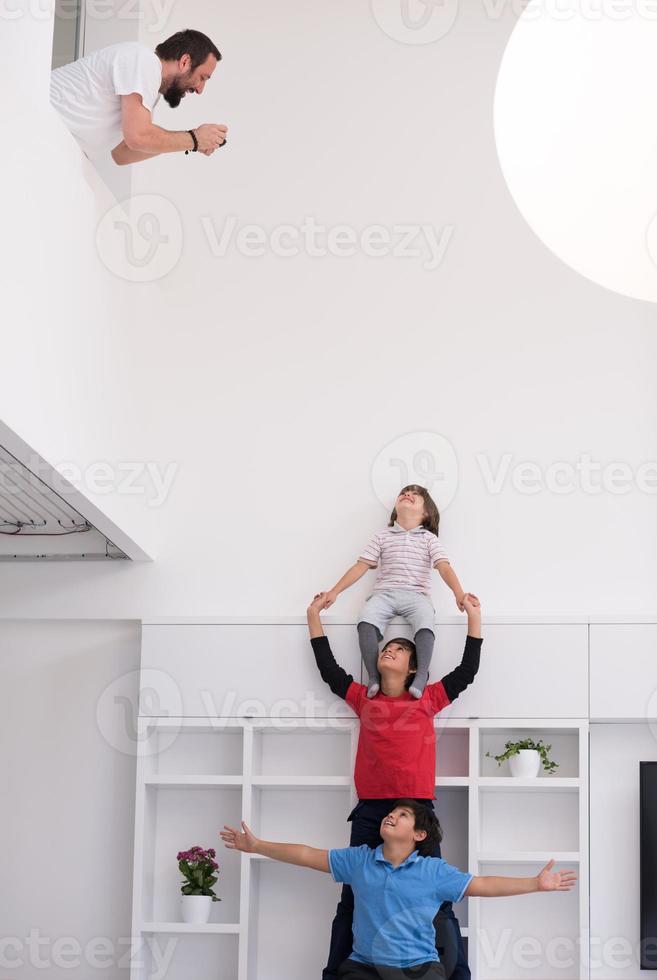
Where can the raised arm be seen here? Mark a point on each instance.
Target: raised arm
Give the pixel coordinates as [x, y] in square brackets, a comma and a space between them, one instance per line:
[300, 854]
[352, 575]
[450, 578]
[458, 679]
[331, 672]
[493, 886]
[143, 138]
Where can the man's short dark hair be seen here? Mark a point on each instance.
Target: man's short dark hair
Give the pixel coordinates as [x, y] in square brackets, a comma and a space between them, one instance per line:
[198, 46]
[425, 819]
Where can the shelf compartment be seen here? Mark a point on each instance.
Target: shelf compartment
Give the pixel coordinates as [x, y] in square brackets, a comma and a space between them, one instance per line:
[564, 742]
[183, 955]
[203, 751]
[288, 902]
[289, 752]
[302, 815]
[452, 750]
[452, 808]
[522, 820]
[175, 819]
[528, 935]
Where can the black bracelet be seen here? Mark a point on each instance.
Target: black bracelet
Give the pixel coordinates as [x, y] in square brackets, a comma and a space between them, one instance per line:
[195, 147]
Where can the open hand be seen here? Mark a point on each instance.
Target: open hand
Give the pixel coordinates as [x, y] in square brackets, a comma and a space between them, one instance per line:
[555, 881]
[237, 840]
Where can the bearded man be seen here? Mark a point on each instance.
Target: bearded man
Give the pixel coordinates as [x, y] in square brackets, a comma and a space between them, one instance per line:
[107, 98]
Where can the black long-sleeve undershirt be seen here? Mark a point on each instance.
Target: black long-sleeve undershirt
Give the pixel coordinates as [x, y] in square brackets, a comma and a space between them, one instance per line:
[454, 683]
[332, 673]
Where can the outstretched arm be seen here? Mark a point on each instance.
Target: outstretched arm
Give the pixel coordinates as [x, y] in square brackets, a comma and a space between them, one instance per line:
[300, 854]
[450, 578]
[332, 673]
[492, 886]
[458, 679]
[352, 575]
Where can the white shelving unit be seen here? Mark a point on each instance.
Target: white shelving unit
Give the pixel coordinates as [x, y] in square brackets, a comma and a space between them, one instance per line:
[292, 781]
[533, 935]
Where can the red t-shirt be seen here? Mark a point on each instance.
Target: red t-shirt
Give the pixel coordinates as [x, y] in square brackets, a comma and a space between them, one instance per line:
[396, 754]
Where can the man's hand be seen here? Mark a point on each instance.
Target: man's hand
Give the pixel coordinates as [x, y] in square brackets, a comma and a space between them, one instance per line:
[239, 841]
[555, 881]
[329, 598]
[209, 137]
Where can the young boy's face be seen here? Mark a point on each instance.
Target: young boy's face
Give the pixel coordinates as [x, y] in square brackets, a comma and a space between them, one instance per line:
[399, 828]
[394, 660]
[411, 505]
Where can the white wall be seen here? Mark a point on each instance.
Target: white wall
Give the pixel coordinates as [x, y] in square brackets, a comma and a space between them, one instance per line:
[616, 751]
[63, 310]
[110, 22]
[272, 383]
[68, 796]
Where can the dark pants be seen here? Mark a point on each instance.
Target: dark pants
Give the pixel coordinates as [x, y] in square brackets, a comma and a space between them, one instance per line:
[350, 970]
[365, 822]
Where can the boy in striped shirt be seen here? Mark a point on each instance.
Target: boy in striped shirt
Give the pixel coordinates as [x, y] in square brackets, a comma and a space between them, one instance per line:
[405, 553]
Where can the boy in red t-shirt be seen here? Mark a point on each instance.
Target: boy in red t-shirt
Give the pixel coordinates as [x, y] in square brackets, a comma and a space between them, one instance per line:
[396, 754]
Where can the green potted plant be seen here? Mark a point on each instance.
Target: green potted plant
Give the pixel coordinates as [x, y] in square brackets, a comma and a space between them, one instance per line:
[525, 758]
[199, 870]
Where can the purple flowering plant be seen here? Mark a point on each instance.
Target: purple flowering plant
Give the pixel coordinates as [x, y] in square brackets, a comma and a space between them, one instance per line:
[199, 869]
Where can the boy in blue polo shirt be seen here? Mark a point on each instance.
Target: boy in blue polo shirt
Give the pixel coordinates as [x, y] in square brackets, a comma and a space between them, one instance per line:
[398, 890]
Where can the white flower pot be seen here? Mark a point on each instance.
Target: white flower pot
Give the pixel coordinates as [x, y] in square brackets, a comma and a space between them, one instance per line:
[525, 764]
[196, 908]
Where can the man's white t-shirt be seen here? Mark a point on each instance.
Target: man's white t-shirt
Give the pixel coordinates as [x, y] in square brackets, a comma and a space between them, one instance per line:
[87, 93]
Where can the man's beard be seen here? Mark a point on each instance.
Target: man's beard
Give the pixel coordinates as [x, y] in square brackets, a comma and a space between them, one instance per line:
[175, 93]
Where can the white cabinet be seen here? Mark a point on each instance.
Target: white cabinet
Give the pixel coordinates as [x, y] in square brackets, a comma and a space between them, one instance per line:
[295, 784]
[624, 671]
[527, 671]
[268, 670]
[240, 670]
[516, 827]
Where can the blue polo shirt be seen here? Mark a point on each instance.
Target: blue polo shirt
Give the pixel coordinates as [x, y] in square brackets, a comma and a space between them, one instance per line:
[394, 908]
